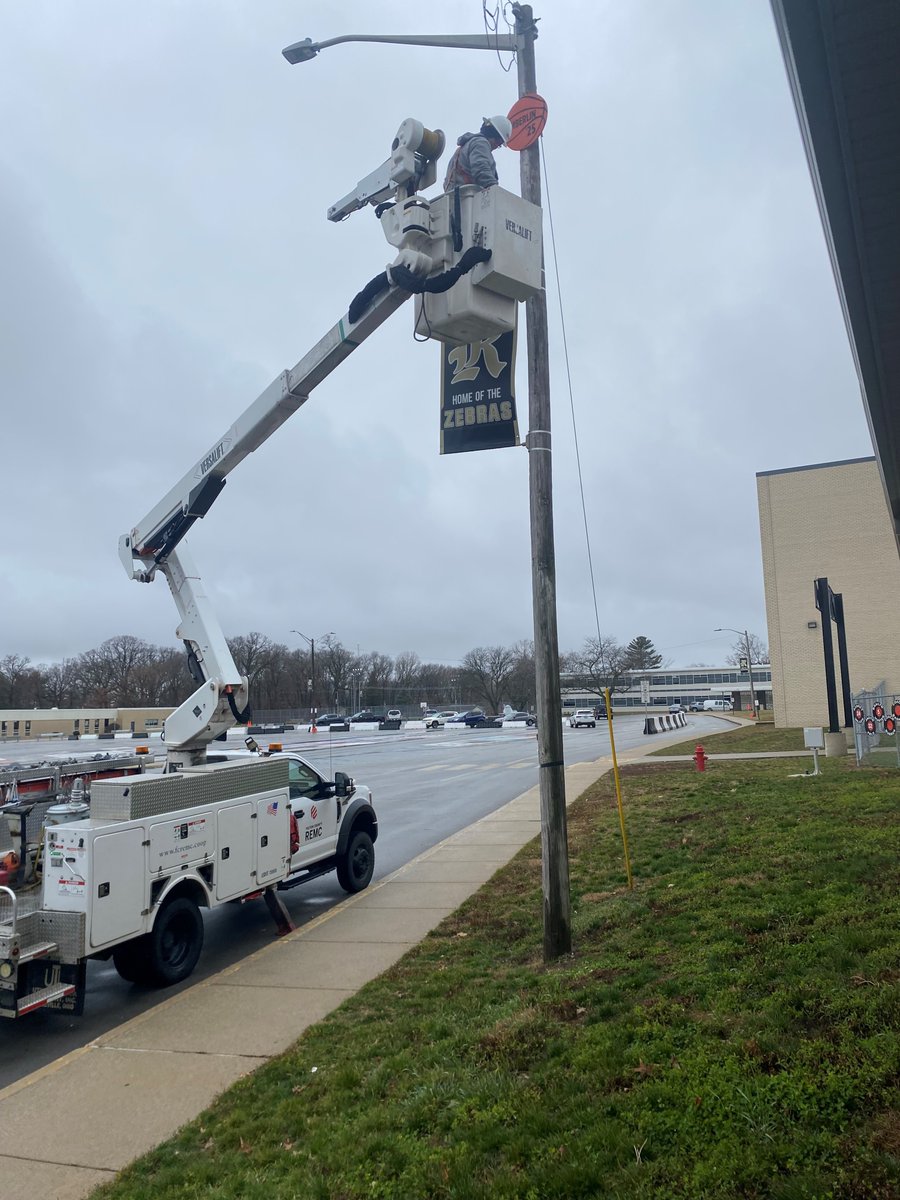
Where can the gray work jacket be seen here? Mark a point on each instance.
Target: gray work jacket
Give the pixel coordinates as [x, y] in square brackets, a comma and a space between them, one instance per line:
[473, 162]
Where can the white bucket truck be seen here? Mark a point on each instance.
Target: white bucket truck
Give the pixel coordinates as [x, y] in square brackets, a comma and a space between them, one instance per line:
[129, 881]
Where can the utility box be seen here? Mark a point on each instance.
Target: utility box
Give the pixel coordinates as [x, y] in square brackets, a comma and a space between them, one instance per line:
[482, 304]
[814, 738]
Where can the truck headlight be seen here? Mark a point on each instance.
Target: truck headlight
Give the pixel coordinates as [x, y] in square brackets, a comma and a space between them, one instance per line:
[7, 970]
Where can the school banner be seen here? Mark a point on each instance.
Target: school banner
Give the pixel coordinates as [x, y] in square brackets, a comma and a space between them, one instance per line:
[478, 402]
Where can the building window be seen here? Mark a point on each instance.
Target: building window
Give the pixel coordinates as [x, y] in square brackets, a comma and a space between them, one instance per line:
[27, 728]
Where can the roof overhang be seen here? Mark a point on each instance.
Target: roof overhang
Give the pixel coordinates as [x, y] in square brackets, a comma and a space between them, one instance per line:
[843, 65]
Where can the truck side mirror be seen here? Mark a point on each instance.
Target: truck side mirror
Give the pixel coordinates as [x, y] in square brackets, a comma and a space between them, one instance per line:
[343, 784]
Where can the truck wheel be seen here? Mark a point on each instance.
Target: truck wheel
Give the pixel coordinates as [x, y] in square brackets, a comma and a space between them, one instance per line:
[355, 867]
[131, 960]
[174, 943]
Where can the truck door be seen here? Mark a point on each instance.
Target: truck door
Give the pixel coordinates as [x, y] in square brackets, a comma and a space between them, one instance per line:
[315, 813]
[235, 857]
[272, 838]
[118, 884]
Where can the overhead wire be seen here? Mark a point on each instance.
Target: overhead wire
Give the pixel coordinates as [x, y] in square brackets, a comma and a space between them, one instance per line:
[491, 19]
[565, 342]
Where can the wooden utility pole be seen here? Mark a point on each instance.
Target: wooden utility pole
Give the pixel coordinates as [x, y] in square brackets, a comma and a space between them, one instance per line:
[554, 836]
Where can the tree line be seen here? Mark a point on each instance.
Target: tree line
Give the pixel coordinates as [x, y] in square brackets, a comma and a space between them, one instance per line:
[127, 672]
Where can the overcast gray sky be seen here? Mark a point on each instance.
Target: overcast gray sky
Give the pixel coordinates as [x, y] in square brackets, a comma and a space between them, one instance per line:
[164, 176]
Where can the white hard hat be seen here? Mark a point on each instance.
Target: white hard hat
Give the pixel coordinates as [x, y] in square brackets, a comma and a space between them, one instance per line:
[503, 125]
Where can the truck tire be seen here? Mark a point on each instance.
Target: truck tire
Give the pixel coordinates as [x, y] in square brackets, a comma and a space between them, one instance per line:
[356, 865]
[131, 960]
[174, 943]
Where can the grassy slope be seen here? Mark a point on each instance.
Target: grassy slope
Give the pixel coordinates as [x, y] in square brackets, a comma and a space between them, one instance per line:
[740, 740]
[729, 1029]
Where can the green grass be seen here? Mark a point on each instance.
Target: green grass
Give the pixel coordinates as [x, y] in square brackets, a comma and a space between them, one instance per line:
[731, 1028]
[740, 739]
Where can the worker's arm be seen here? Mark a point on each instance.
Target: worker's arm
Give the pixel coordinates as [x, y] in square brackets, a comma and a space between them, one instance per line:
[481, 163]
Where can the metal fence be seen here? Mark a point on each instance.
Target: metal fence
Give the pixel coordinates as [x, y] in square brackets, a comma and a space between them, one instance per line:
[876, 722]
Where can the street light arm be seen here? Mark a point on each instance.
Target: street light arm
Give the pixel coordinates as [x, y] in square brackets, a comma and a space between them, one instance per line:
[307, 49]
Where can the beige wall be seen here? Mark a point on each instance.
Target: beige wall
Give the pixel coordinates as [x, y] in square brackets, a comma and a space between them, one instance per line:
[827, 520]
[38, 722]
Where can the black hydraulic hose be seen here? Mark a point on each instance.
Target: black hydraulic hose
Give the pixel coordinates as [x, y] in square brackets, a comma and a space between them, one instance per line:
[241, 718]
[363, 299]
[456, 221]
[404, 278]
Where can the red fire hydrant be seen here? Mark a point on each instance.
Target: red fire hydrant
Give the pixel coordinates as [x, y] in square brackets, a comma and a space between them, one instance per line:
[700, 758]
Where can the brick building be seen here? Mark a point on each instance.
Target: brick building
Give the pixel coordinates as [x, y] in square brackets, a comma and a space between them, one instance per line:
[830, 519]
[21, 723]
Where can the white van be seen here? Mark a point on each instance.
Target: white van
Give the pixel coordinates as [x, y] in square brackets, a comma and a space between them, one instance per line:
[717, 706]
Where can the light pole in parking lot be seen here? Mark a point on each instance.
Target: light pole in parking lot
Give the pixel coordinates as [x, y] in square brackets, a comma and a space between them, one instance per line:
[312, 671]
[746, 636]
[557, 912]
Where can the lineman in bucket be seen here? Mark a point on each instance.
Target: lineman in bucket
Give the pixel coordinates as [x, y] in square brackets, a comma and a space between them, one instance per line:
[473, 161]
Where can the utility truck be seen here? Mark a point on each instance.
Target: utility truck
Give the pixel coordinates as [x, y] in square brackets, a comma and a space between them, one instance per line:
[129, 880]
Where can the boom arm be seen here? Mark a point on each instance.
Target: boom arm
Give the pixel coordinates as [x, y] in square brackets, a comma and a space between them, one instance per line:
[152, 544]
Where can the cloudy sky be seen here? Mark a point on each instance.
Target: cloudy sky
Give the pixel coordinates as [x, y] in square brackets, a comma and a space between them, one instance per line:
[164, 176]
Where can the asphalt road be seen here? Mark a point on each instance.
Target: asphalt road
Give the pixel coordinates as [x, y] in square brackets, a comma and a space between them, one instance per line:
[426, 786]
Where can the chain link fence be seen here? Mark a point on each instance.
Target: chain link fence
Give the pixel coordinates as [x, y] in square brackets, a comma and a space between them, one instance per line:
[876, 721]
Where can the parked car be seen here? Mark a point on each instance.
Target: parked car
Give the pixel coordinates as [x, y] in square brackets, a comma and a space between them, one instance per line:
[696, 706]
[600, 713]
[434, 720]
[330, 719]
[529, 718]
[717, 706]
[366, 715]
[675, 708]
[461, 718]
[582, 718]
[476, 717]
[394, 714]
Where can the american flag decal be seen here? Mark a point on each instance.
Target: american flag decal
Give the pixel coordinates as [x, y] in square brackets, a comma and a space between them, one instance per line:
[272, 809]
[314, 813]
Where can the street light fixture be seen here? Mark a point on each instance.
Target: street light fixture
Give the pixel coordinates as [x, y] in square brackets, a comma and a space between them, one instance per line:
[312, 669]
[746, 636]
[307, 49]
[554, 838]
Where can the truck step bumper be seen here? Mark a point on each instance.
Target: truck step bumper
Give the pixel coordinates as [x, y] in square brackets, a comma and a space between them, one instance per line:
[42, 997]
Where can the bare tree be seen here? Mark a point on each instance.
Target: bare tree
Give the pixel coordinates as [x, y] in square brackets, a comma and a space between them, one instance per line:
[437, 685]
[13, 676]
[59, 684]
[759, 651]
[522, 685]
[252, 654]
[334, 663]
[108, 674]
[600, 663]
[489, 669]
[407, 669]
[379, 673]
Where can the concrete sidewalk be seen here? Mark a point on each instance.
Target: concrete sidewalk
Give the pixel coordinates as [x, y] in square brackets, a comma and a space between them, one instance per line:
[75, 1123]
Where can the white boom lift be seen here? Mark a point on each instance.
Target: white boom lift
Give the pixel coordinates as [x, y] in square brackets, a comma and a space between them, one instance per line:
[492, 234]
[156, 542]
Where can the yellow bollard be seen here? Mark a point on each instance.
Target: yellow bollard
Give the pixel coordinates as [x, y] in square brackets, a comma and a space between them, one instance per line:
[612, 744]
